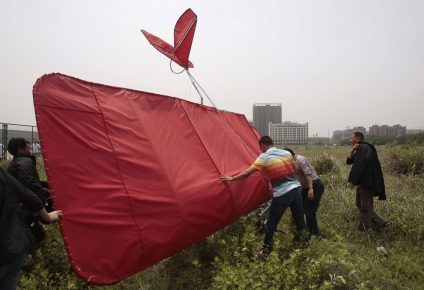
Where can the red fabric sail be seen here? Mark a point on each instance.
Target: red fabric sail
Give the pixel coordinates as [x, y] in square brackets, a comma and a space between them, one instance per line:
[183, 38]
[137, 174]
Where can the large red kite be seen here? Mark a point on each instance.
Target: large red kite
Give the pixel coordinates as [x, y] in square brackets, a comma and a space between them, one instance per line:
[183, 38]
[137, 174]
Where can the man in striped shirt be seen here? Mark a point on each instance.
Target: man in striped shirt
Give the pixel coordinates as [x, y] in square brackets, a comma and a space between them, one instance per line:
[280, 167]
[312, 190]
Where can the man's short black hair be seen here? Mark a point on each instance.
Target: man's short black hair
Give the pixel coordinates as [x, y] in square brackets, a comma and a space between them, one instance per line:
[16, 143]
[360, 135]
[291, 151]
[266, 140]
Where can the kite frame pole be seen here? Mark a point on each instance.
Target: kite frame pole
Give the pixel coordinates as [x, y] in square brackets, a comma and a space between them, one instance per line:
[195, 84]
[170, 66]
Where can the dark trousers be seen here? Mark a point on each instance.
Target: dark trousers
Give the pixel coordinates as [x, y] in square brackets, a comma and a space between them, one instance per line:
[365, 204]
[310, 206]
[10, 273]
[292, 199]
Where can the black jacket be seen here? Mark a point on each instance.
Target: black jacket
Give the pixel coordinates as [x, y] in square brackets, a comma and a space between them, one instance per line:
[15, 236]
[23, 168]
[366, 170]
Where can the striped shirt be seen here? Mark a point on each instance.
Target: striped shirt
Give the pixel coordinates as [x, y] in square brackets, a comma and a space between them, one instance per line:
[279, 166]
[305, 168]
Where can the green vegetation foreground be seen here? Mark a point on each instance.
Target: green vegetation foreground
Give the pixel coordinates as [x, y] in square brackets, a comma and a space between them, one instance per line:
[341, 259]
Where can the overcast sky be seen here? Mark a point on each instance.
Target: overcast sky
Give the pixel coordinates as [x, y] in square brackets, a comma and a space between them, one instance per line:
[333, 64]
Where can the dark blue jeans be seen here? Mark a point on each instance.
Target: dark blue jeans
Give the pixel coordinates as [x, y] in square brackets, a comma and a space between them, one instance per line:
[10, 273]
[310, 206]
[292, 199]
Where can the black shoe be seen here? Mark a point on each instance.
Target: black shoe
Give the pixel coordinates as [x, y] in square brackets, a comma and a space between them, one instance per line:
[266, 250]
[384, 225]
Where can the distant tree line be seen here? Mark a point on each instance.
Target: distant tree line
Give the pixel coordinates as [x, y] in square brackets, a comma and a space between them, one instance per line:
[411, 139]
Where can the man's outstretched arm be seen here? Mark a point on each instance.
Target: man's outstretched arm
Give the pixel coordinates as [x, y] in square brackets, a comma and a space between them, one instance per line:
[246, 173]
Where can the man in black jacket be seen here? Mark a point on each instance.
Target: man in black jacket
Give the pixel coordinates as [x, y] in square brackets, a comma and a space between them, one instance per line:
[23, 167]
[366, 173]
[15, 237]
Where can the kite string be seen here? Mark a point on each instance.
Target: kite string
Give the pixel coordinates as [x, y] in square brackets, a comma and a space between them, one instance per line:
[195, 84]
[193, 80]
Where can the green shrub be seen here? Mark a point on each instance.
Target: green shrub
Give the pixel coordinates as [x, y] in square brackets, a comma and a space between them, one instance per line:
[405, 160]
[50, 267]
[325, 164]
[238, 267]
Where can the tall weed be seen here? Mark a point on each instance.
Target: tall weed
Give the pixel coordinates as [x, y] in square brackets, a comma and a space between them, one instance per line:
[405, 160]
[325, 164]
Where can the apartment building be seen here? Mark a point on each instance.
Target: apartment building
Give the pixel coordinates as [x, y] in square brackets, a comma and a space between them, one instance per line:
[385, 130]
[289, 133]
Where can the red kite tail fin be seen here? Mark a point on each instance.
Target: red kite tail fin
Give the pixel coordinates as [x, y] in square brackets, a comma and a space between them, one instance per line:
[183, 35]
[183, 38]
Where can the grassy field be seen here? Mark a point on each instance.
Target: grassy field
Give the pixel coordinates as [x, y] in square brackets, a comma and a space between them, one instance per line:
[341, 259]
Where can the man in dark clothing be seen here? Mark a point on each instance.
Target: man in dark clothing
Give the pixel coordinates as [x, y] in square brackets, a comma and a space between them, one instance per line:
[16, 237]
[367, 175]
[23, 167]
